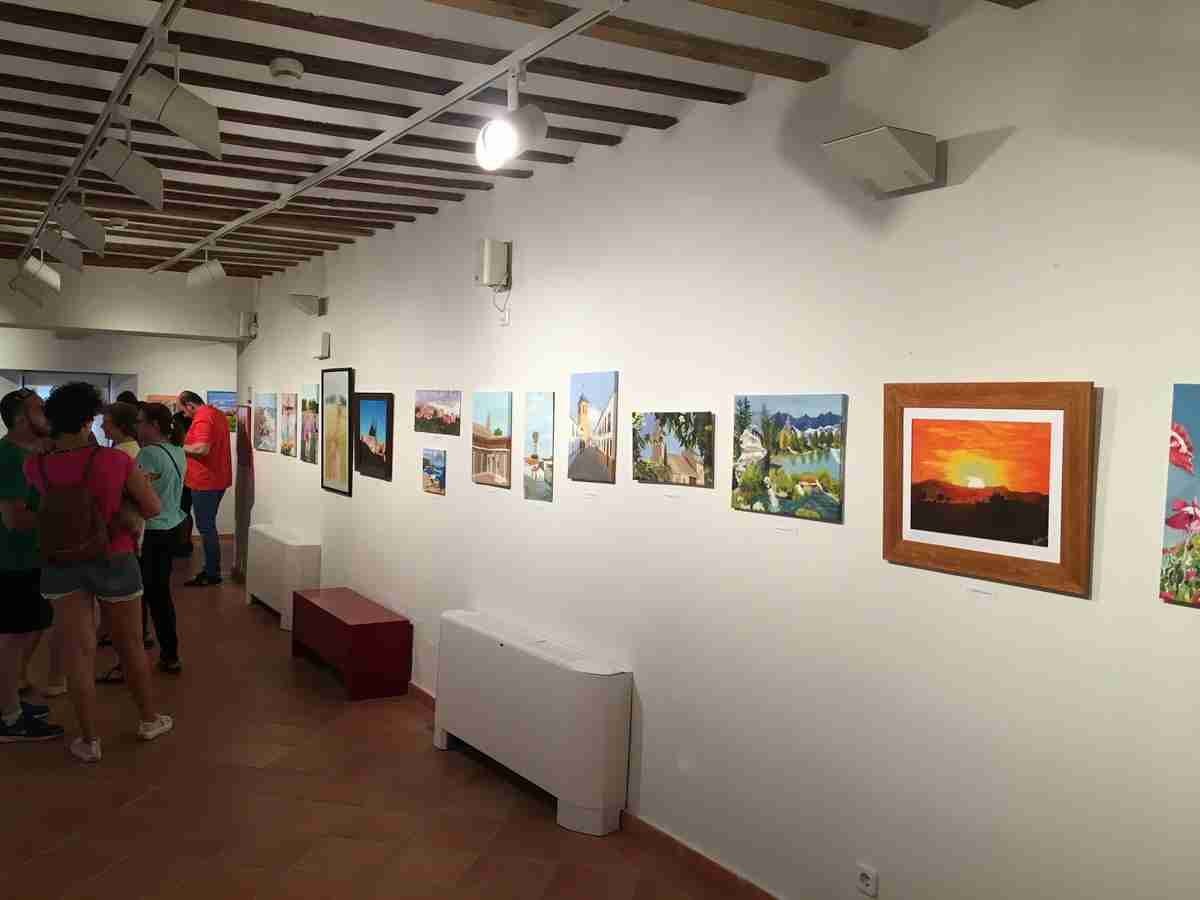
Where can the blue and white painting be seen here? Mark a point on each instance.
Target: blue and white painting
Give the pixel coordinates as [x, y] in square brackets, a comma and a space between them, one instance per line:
[433, 471]
[788, 455]
[539, 446]
[593, 451]
[1179, 580]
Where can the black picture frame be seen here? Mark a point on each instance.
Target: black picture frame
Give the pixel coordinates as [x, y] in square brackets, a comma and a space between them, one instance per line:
[351, 430]
[369, 468]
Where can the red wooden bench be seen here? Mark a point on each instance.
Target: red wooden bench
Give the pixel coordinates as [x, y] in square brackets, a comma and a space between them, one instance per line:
[368, 644]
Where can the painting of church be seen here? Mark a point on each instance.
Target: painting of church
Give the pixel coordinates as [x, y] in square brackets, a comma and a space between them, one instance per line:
[673, 448]
[593, 450]
[491, 439]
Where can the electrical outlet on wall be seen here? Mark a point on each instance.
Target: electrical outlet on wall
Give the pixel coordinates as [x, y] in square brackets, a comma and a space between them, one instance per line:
[868, 880]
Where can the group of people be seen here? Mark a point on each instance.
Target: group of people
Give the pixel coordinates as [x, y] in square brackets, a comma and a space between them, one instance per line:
[86, 529]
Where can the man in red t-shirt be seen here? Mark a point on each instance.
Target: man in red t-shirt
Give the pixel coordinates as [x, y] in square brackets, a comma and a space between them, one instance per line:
[209, 475]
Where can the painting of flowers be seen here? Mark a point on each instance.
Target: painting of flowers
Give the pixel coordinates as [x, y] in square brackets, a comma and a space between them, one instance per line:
[1179, 580]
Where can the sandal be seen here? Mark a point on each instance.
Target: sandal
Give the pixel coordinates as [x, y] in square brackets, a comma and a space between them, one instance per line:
[112, 676]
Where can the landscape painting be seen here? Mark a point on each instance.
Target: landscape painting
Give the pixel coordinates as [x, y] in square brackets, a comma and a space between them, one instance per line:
[539, 446]
[491, 438]
[310, 422]
[673, 448]
[438, 412]
[788, 455]
[982, 478]
[433, 471]
[226, 402]
[593, 409]
[287, 424]
[1179, 579]
[337, 469]
[266, 429]
[373, 451]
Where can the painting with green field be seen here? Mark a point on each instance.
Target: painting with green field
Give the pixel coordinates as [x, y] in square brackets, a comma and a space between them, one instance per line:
[788, 455]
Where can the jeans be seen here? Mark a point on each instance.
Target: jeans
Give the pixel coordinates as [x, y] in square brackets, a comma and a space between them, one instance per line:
[204, 508]
[158, 553]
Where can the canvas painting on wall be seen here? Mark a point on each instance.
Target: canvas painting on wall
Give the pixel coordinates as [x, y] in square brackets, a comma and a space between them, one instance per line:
[438, 412]
[310, 422]
[991, 480]
[788, 455]
[337, 426]
[593, 451]
[287, 424]
[266, 426]
[673, 448]
[539, 446]
[491, 438]
[433, 471]
[373, 448]
[226, 402]
[1179, 578]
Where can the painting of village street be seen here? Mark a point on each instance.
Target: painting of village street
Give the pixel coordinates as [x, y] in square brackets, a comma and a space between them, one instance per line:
[673, 448]
[593, 452]
[539, 446]
[787, 455]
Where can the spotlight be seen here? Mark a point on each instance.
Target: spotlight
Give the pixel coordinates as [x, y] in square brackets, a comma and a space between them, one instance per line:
[130, 170]
[73, 218]
[508, 137]
[206, 273]
[159, 99]
[56, 244]
[36, 280]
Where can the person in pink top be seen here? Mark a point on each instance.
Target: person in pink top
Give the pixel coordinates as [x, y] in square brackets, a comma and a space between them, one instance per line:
[115, 580]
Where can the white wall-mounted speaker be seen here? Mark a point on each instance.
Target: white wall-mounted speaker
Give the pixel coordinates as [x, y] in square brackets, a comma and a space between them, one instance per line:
[310, 304]
[323, 346]
[887, 158]
[493, 268]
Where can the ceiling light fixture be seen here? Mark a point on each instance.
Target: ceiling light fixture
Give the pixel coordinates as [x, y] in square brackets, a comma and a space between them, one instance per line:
[36, 280]
[131, 170]
[56, 244]
[75, 219]
[206, 273]
[508, 136]
[286, 69]
[159, 99]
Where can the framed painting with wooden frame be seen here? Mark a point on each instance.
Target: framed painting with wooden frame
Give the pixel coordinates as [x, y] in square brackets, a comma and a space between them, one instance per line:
[337, 430]
[991, 481]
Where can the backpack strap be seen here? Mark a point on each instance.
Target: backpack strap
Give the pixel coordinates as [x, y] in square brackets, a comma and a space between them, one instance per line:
[171, 458]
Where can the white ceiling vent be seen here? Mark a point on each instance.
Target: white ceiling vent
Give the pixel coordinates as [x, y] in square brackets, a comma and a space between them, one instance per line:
[286, 69]
[888, 159]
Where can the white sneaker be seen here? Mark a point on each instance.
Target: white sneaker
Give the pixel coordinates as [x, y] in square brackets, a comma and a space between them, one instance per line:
[148, 731]
[86, 751]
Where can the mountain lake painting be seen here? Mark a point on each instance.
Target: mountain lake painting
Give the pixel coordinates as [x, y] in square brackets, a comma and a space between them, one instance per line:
[787, 455]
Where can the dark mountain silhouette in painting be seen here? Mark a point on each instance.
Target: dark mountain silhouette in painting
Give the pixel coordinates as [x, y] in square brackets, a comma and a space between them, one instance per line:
[990, 513]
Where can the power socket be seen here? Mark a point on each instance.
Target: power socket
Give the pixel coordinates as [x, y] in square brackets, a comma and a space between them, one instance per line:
[868, 880]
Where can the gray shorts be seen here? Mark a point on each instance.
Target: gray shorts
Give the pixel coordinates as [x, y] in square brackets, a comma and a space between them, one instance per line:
[112, 580]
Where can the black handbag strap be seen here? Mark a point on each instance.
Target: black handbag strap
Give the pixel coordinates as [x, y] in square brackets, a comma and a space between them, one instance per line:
[171, 458]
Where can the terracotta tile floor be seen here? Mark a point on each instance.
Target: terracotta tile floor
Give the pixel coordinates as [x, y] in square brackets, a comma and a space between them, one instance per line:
[273, 786]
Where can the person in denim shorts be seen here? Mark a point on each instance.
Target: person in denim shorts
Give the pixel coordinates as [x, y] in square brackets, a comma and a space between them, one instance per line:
[115, 580]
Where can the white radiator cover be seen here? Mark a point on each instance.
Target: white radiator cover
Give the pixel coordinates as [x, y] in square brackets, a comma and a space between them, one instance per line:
[280, 562]
[549, 712]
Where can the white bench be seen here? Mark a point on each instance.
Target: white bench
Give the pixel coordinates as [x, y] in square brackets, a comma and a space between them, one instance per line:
[281, 561]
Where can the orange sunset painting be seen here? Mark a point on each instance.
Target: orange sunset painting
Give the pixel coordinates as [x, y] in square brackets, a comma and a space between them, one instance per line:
[982, 479]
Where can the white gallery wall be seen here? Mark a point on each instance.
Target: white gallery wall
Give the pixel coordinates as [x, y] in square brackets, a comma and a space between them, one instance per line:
[801, 704]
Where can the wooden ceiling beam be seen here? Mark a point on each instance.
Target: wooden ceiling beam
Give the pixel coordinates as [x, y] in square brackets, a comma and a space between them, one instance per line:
[123, 261]
[345, 69]
[829, 18]
[1015, 4]
[278, 92]
[397, 39]
[174, 164]
[631, 33]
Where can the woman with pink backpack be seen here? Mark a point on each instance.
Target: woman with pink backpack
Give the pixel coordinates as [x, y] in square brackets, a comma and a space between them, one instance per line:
[93, 501]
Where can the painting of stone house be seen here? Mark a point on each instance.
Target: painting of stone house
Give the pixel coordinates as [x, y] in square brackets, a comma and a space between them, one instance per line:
[673, 448]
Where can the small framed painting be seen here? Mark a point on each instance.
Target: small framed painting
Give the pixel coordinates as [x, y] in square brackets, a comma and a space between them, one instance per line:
[287, 424]
[310, 422]
[337, 426]
[438, 412]
[266, 426]
[1179, 576]
[491, 438]
[226, 402]
[373, 448]
[539, 446]
[593, 450]
[991, 481]
[673, 448]
[433, 471]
